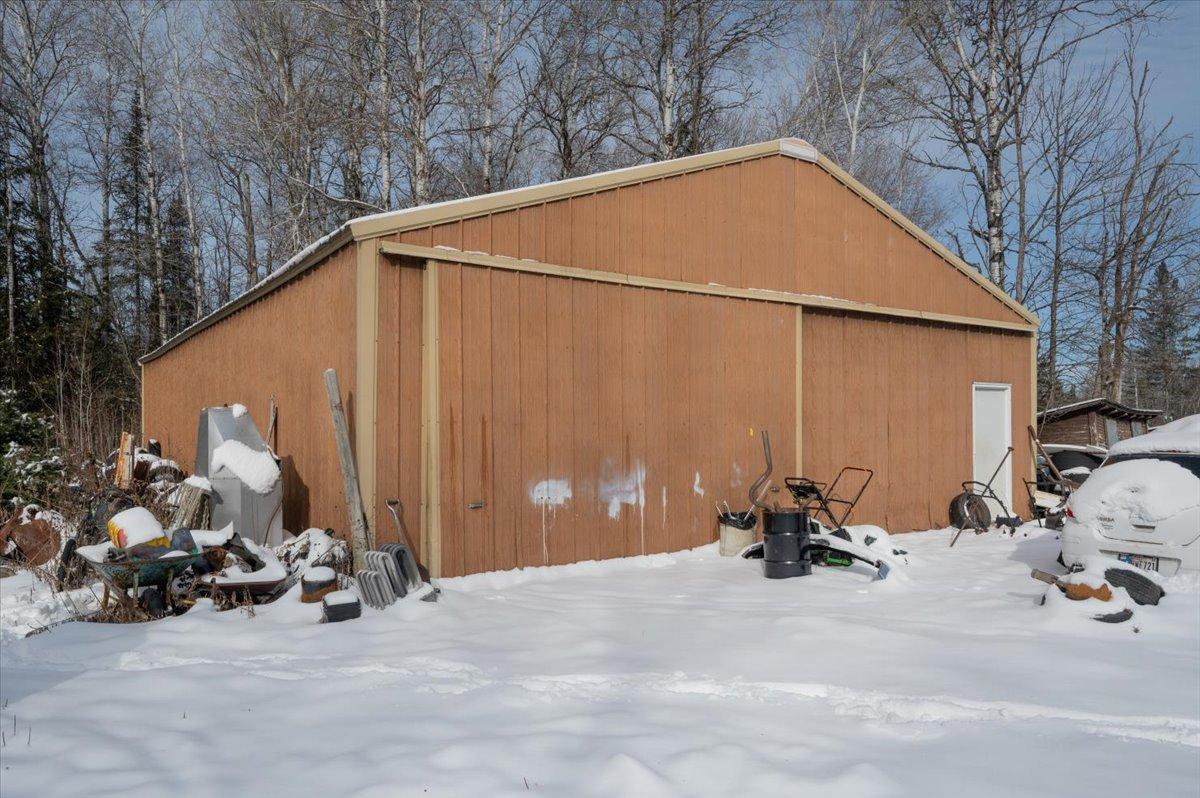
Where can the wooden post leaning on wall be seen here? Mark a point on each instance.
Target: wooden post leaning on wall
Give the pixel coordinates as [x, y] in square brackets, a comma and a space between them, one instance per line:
[350, 484]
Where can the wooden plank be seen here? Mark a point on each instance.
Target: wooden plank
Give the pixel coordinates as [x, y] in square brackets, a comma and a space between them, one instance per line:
[506, 234]
[630, 202]
[706, 429]
[411, 378]
[356, 514]
[592, 487]
[558, 232]
[533, 232]
[387, 388]
[661, 402]
[583, 232]
[506, 346]
[608, 231]
[536, 519]
[610, 439]
[478, 421]
[633, 408]
[799, 390]
[678, 421]
[560, 419]
[450, 413]
[654, 230]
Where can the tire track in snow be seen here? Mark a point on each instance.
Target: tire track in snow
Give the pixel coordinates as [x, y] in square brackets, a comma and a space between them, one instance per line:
[453, 677]
[445, 676]
[879, 706]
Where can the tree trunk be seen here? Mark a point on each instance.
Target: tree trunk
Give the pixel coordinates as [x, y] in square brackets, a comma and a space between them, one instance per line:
[160, 283]
[248, 229]
[9, 262]
[420, 112]
[383, 97]
[185, 173]
[667, 99]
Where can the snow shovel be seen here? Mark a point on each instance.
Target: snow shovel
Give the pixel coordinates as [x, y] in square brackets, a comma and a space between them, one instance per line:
[403, 554]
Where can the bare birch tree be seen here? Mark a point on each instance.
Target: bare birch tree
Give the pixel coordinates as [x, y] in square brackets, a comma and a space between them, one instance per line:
[682, 65]
[985, 56]
[570, 102]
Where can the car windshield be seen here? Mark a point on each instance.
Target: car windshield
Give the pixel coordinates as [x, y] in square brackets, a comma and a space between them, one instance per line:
[1189, 461]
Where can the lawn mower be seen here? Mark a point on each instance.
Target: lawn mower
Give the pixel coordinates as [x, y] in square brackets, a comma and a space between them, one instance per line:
[793, 540]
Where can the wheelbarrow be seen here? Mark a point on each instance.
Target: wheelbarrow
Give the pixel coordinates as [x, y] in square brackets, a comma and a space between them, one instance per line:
[121, 576]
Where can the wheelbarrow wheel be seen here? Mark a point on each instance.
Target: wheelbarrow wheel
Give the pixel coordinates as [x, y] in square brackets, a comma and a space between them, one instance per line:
[969, 511]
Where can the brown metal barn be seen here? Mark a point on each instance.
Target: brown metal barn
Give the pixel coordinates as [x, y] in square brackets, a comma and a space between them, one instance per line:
[580, 369]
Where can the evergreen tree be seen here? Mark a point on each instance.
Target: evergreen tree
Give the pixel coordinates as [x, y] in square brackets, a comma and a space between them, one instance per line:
[177, 255]
[1167, 339]
[129, 227]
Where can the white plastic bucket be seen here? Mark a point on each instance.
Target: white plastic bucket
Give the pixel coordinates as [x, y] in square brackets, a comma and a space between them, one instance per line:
[733, 540]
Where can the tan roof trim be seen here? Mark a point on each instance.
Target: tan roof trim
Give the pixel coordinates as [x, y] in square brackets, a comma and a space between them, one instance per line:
[449, 255]
[424, 215]
[848, 180]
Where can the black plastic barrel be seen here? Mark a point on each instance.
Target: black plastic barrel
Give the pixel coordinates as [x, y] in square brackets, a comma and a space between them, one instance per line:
[785, 545]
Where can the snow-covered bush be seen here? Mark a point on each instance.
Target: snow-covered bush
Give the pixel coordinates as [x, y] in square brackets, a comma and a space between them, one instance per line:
[31, 466]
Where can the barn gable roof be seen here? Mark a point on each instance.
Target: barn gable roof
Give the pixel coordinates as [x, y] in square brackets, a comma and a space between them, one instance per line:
[391, 222]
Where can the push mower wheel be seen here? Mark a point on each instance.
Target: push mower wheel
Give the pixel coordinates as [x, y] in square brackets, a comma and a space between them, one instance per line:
[969, 511]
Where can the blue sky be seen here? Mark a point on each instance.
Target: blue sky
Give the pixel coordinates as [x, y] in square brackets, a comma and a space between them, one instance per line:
[1172, 49]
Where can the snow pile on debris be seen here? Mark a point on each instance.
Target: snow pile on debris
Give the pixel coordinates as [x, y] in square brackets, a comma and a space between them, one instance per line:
[1181, 435]
[1145, 490]
[257, 469]
[665, 675]
[28, 604]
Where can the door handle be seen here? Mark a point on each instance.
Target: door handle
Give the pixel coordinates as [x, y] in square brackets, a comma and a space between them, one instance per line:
[476, 505]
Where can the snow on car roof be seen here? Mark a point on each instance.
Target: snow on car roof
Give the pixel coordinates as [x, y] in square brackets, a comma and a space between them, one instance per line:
[1181, 435]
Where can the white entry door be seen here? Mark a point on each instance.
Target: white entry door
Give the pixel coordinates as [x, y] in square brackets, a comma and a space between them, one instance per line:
[991, 415]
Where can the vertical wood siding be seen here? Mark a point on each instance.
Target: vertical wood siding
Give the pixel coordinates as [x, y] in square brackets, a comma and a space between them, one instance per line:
[895, 396]
[643, 404]
[279, 345]
[398, 407]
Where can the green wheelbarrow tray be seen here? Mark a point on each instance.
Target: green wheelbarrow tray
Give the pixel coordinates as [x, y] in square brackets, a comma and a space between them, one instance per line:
[127, 574]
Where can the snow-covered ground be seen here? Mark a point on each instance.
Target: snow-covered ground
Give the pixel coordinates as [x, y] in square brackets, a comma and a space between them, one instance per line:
[684, 674]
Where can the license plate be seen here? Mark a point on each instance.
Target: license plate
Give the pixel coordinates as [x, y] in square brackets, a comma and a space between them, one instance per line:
[1138, 561]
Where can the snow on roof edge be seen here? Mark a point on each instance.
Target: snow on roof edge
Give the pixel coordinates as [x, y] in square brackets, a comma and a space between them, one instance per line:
[1096, 400]
[1179, 436]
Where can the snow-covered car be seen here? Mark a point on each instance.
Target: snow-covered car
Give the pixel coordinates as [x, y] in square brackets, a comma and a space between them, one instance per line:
[1142, 506]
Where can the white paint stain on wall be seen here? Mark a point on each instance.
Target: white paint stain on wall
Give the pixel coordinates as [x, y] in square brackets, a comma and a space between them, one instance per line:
[621, 489]
[664, 507]
[624, 489]
[696, 489]
[549, 494]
